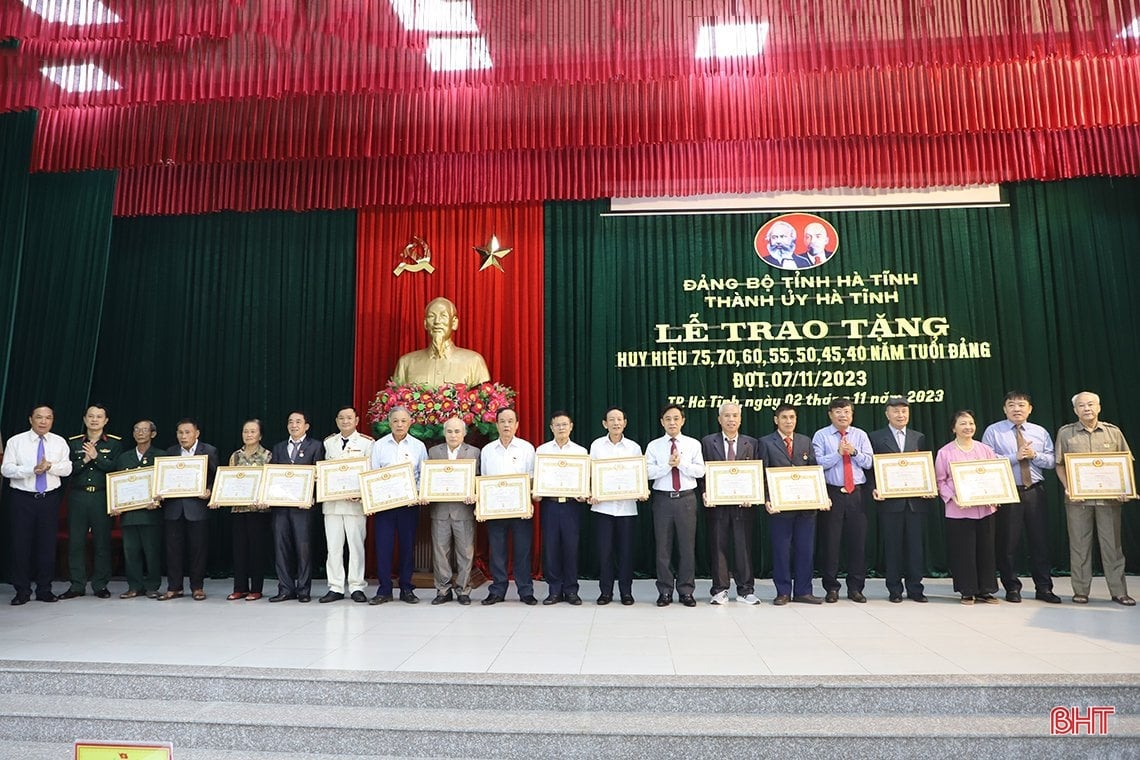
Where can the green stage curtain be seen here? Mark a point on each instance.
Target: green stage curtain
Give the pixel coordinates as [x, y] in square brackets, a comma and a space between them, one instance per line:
[225, 317]
[16, 131]
[1047, 282]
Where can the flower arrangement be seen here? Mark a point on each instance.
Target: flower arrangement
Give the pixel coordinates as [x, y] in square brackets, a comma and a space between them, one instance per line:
[431, 406]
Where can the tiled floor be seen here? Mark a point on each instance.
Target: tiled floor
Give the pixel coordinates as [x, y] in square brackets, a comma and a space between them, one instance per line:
[877, 638]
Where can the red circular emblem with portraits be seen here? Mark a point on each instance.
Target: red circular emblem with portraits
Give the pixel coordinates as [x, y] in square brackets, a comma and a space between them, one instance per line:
[796, 241]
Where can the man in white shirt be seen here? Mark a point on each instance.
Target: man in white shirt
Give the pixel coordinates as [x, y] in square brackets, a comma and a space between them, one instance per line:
[391, 525]
[561, 522]
[674, 463]
[614, 520]
[344, 518]
[34, 462]
[453, 523]
[509, 455]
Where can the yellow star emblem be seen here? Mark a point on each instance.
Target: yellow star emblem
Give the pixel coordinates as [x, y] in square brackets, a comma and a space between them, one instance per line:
[491, 253]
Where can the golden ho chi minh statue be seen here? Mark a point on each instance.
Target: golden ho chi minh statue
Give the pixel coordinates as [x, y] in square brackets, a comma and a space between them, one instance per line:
[442, 361]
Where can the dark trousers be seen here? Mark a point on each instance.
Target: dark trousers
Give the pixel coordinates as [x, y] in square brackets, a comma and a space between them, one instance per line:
[179, 533]
[251, 550]
[392, 526]
[731, 525]
[675, 517]
[292, 544]
[615, 549]
[522, 538]
[845, 521]
[87, 511]
[142, 557]
[970, 552]
[34, 522]
[902, 544]
[1031, 513]
[561, 524]
[793, 551]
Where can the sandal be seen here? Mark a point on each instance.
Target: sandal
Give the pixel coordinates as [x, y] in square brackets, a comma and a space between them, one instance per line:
[199, 595]
[169, 595]
[236, 595]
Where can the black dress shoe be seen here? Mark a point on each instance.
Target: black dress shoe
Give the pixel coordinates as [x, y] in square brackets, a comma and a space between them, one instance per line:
[857, 597]
[688, 600]
[409, 597]
[304, 598]
[573, 599]
[895, 599]
[832, 597]
[1048, 596]
[380, 599]
[48, 597]
[807, 599]
[1013, 596]
[332, 596]
[552, 599]
[282, 597]
[71, 594]
[492, 599]
[359, 597]
[528, 600]
[442, 598]
[18, 600]
[464, 599]
[920, 598]
[605, 599]
[103, 594]
[664, 600]
[781, 600]
[627, 599]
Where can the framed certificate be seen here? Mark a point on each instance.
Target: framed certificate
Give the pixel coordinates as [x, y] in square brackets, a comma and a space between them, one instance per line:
[791, 488]
[501, 496]
[908, 475]
[388, 488]
[981, 482]
[561, 475]
[447, 479]
[340, 478]
[1100, 476]
[181, 476]
[288, 485]
[620, 478]
[130, 489]
[236, 486]
[734, 483]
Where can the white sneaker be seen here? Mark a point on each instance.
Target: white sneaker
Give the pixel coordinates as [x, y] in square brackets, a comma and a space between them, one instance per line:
[721, 598]
[750, 599]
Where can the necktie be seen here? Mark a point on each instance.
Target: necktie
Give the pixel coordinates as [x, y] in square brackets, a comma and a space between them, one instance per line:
[676, 472]
[1026, 473]
[848, 469]
[900, 436]
[343, 444]
[788, 446]
[732, 451]
[41, 478]
[293, 449]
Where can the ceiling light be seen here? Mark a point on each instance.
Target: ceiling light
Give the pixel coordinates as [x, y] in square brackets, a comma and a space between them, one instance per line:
[436, 15]
[458, 53]
[86, 77]
[731, 40]
[72, 12]
[1132, 30]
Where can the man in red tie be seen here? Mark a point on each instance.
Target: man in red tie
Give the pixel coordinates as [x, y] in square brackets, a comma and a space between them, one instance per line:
[844, 452]
[674, 463]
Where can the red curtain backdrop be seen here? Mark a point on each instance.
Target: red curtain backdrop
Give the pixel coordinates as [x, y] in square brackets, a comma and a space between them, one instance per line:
[500, 313]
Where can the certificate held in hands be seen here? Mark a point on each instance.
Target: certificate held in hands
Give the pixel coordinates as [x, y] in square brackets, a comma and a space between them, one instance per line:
[388, 488]
[130, 489]
[791, 488]
[288, 485]
[340, 478]
[447, 480]
[982, 482]
[1100, 476]
[501, 496]
[620, 478]
[181, 476]
[905, 476]
[236, 486]
[734, 483]
[558, 475]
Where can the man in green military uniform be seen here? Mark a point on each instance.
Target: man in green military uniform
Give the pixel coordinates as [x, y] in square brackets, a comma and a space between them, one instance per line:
[93, 455]
[142, 528]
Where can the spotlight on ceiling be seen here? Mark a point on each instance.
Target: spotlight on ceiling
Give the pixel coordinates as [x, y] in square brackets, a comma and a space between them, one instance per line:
[72, 12]
[731, 40]
[83, 77]
[458, 54]
[436, 15]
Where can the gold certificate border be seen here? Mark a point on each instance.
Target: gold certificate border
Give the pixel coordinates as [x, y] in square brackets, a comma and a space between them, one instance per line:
[113, 480]
[327, 467]
[581, 463]
[999, 467]
[811, 472]
[598, 466]
[715, 469]
[884, 462]
[275, 472]
[430, 467]
[403, 471]
[518, 483]
[162, 464]
[1121, 459]
[223, 474]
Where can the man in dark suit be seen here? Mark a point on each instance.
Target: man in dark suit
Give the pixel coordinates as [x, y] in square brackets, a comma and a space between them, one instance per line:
[737, 520]
[903, 520]
[793, 533]
[293, 545]
[453, 522]
[185, 517]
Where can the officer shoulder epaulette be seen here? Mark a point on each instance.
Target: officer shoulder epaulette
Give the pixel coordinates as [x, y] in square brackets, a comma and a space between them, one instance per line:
[77, 437]
[114, 437]
[367, 437]
[334, 435]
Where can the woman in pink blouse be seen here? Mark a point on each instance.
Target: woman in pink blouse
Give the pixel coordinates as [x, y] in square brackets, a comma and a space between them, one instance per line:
[969, 530]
